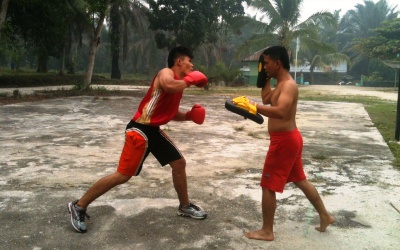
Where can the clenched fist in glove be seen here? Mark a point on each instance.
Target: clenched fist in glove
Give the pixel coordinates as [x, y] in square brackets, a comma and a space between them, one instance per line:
[244, 103]
[196, 78]
[262, 77]
[197, 114]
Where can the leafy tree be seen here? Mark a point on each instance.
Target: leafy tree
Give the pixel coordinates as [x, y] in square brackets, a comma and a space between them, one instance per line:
[41, 24]
[361, 22]
[231, 35]
[217, 59]
[12, 48]
[190, 23]
[385, 45]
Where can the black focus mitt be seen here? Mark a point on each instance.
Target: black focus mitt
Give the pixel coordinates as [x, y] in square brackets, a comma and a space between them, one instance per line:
[262, 75]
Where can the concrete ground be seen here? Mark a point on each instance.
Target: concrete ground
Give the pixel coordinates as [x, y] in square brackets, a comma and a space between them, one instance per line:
[54, 150]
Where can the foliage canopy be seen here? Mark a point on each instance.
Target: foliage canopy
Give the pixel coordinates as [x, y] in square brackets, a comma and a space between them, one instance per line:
[190, 23]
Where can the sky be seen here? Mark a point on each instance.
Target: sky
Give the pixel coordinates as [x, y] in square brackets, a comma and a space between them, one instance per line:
[312, 6]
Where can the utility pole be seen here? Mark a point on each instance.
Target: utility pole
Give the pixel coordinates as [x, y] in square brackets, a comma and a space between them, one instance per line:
[295, 63]
[396, 65]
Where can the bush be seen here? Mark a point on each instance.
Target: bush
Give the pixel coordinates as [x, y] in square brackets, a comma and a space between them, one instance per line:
[33, 79]
[374, 77]
[220, 72]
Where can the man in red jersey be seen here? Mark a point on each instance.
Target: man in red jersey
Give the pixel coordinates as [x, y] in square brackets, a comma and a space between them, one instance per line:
[143, 136]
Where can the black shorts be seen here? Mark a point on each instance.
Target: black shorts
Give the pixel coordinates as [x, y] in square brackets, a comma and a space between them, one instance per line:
[144, 139]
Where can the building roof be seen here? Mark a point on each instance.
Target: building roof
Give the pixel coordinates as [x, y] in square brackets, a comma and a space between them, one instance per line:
[254, 57]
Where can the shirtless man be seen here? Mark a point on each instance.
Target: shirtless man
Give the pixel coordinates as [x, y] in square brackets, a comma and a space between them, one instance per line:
[283, 162]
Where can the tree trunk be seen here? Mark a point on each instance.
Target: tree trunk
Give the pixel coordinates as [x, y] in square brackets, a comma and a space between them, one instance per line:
[90, 66]
[115, 72]
[62, 62]
[92, 53]
[42, 62]
[311, 75]
[115, 40]
[3, 13]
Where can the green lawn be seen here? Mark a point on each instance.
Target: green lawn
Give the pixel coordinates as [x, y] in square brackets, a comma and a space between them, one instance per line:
[383, 115]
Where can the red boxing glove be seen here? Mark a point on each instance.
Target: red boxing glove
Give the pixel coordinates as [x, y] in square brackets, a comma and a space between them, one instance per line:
[196, 78]
[197, 114]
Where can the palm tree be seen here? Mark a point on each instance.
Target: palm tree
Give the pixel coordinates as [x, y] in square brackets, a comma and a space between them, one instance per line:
[142, 50]
[360, 23]
[123, 13]
[93, 14]
[280, 23]
[322, 51]
[330, 57]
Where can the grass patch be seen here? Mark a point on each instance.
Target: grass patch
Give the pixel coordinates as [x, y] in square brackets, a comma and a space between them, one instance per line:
[39, 95]
[238, 128]
[255, 134]
[317, 179]
[326, 192]
[319, 156]
[381, 112]
[20, 79]
[238, 170]
[383, 115]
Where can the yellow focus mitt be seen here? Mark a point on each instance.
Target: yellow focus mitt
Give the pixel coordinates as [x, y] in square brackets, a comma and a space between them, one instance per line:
[244, 103]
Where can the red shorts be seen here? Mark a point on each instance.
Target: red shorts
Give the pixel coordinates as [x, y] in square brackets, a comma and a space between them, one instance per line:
[140, 141]
[134, 153]
[283, 163]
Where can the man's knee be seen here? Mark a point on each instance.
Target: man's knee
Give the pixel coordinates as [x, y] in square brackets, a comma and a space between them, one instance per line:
[302, 184]
[120, 178]
[269, 192]
[178, 164]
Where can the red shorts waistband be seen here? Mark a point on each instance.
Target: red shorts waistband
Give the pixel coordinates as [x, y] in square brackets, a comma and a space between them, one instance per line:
[281, 133]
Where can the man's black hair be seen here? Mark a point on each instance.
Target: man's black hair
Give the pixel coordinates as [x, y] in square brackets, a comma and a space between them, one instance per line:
[279, 53]
[178, 52]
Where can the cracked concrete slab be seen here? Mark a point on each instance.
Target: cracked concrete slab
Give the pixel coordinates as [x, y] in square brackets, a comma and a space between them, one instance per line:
[53, 150]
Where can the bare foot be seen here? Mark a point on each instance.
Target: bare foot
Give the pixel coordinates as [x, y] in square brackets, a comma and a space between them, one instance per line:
[325, 222]
[260, 235]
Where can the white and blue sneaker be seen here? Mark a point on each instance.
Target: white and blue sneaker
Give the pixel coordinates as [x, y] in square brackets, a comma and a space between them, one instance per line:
[78, 215]
[192, 211]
